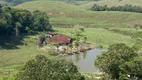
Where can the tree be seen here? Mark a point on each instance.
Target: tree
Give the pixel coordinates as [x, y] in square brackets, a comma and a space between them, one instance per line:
[138, 37]
[41, 21]
[42, 68]
[110, 61]
[22, 21]
[132, 68]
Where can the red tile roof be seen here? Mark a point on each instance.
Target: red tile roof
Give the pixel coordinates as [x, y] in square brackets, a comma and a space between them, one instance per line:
[60, 38]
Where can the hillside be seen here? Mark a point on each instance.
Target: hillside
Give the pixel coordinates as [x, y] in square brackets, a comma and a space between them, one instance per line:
[3, 2]
[13, 2]
[112, 3]
[48, 6]
[97, 19]
[65, 15]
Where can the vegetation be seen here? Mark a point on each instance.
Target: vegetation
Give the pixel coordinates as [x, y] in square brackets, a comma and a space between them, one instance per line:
[22, 21]
[126, 8]
[122, 62]
[42, 68]
[117, 55]
[111, 3]
[15, 2]
[98, 36]
[68, 15]
[101, 28]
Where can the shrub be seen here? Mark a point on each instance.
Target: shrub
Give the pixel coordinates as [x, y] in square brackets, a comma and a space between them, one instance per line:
[42, 68]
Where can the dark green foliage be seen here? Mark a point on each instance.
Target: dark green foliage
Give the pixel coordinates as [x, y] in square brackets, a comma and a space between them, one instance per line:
[16, 21]
[138, 44]
[110, 61]
[16, 2]
[133, 68]
[41, 21]
[42, 68]
[127, 33]
[126, 8]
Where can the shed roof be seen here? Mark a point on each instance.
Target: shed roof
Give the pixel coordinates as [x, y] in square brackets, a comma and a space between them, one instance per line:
[60, 38]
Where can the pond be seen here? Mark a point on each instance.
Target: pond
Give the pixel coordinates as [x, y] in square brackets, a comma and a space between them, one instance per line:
[85, 61]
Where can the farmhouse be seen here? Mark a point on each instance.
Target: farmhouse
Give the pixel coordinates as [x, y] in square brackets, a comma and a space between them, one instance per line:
[58, 38]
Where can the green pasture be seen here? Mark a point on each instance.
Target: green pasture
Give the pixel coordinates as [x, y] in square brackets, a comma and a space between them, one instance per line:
[63, 14]
[100, 36]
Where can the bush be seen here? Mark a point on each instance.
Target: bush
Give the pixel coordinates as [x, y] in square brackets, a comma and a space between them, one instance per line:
[42, 68]
[110, 61]
[126, 8]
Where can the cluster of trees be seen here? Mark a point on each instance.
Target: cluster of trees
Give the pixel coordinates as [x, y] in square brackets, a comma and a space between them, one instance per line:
[16, 2]
[16, 21]
[127, 8]
[43, 68]
[122, 62]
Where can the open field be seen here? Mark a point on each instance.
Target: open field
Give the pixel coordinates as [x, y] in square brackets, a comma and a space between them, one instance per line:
[97, 19]
[12, 59]
[99, 31]
[65, 15]
[48, 6]
[99, 36]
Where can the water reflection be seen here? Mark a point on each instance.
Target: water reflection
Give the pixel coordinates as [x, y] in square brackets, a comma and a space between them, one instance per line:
[85, 61]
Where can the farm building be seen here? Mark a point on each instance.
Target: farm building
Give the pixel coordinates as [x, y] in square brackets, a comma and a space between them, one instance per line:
[58, 38]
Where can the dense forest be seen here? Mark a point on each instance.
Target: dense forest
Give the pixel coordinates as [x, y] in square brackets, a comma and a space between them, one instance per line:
[126, 8]
[16, 21]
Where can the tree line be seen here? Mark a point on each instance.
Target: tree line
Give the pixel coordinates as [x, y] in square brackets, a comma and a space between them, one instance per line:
[16, 2]
[17, 21]
[126, 8]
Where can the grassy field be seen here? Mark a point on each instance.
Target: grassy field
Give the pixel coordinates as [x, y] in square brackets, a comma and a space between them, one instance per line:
[65, 15]
[48, 6]
[112, 3]
[12, 59]
[97, 19]
[100, 36]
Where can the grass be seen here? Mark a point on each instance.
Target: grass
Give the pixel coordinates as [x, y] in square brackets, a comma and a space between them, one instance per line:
[97, 19]
[100, 36]
[22, 54]
[112, 3]
[48, 6]
[66, 15]
[12, 59]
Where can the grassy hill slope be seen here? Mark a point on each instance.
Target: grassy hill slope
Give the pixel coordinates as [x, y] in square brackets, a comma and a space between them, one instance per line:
[48, 6]
[112, 3]
[64, 14]
[98, 19]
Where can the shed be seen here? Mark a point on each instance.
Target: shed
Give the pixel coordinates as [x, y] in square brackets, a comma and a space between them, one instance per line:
[60, 39]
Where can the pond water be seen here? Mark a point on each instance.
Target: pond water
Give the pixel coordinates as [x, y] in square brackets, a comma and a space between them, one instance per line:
[85, 61]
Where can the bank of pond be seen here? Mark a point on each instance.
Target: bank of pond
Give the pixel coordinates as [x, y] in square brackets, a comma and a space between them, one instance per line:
[85, 60]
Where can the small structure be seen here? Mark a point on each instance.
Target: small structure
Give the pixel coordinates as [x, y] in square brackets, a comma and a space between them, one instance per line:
[58, 38]
[51, 34]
